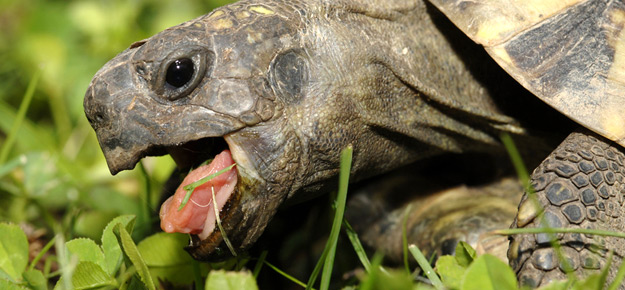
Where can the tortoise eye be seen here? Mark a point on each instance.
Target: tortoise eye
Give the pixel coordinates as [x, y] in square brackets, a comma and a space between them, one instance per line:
[179, 72]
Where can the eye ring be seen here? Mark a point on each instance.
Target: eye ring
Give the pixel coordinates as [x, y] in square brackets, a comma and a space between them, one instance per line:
[181, 72]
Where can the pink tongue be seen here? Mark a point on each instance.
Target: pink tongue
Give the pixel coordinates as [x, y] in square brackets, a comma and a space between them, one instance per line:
[199, 211]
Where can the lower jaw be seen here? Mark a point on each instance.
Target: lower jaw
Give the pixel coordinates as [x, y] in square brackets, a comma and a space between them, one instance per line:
[209, 244]
[212, 247]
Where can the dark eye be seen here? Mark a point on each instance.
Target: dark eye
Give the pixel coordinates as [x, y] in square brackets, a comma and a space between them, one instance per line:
[179, 72]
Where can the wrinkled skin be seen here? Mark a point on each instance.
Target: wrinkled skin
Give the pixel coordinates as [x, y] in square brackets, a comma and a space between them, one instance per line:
[287, 85]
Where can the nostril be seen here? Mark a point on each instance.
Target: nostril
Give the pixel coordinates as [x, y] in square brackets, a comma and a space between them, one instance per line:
[95, 112]
[96, 103]
[99, 117]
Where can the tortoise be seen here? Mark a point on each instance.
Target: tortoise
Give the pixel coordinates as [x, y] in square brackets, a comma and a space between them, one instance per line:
[280, 87]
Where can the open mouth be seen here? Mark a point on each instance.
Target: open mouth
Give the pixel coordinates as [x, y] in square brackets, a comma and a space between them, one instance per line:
[196, 214]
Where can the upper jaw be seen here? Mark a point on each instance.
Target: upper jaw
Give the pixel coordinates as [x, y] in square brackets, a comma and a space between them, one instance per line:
[139, 136]
[123, 153]
[130, 124]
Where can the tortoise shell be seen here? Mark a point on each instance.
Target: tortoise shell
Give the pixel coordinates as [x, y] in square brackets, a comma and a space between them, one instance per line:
[569, 53]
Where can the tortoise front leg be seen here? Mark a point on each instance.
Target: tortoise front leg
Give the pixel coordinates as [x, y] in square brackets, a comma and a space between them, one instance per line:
[579, 185]
[434, 217]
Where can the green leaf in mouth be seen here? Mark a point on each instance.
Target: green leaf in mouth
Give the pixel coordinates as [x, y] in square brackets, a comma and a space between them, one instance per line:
[191, 187]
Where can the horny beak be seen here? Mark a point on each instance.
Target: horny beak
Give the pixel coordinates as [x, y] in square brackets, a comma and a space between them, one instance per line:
[132, 122]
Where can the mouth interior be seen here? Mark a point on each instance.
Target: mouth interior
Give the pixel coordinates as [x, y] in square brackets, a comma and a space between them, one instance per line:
[197, 216]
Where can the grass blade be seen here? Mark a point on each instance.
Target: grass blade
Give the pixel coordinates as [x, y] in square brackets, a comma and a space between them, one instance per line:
[360, 251]
[197, 275]
[618, 279]
[372, 276]
[298, 282]
[341, 198]
[425, 265]
[146, 209]
[221, 229]
[326, 250]
[523, 175]
[517, 161]
[66, 265]
[11, 165]
[259, 263]
[604, 233]
[21, 114]
[41, 253]
[316, 270]
[404, 237]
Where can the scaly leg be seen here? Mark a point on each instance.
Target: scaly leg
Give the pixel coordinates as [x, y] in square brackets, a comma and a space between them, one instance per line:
[580, 185]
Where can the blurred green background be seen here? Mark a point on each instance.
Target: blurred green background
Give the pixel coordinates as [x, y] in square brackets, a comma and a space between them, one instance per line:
[53, 176]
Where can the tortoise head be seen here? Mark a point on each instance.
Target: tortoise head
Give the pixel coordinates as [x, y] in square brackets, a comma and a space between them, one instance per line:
[262, 81]
[199, 88]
